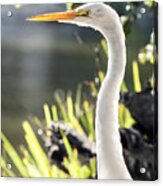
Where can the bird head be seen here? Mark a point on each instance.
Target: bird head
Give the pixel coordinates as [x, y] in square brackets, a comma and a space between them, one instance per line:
[91, 14]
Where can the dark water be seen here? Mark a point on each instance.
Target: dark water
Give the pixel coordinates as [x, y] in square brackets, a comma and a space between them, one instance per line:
[39, 58]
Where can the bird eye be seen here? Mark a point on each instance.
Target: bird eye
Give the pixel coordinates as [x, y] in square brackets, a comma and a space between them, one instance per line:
[83, 12]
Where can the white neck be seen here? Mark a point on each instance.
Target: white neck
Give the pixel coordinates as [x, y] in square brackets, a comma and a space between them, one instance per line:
[110, 159]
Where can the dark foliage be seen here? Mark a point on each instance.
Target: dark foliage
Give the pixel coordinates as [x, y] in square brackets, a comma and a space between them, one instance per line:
[140, 141]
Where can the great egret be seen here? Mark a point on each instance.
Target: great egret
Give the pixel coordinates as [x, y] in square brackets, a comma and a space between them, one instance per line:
[103, 18]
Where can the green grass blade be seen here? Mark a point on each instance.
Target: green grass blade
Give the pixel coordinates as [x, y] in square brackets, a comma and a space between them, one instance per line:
[70, 108]
[66, 144]
[37, 121]
[136, 76]
[84, 123]
[87, 110]
[93, 88]
[36, 149]
[73, 120]
[9, 149]
[104, 46]
[75, 123]
[121, 115]
[85, 172]
[58, 173]
[125, 118]
[129, 121]
[54, 113]
[27, 155]
[61, 107]
[4, 168]
[90, 119]
[73, 166]
[78, 111]
[92, 166]
[101, 76]
[47, 115]
[32, 169]
[124, 87]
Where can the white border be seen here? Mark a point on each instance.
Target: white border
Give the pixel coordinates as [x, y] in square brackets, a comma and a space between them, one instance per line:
[55, 1]
[53, 182]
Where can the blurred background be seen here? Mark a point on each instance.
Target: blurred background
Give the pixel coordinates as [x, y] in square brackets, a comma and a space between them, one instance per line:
[38, 58]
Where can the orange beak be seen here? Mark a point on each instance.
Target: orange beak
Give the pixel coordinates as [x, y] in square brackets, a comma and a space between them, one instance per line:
[68, 15]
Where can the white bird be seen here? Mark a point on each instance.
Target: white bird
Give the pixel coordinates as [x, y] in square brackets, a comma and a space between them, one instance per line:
[103, 18]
